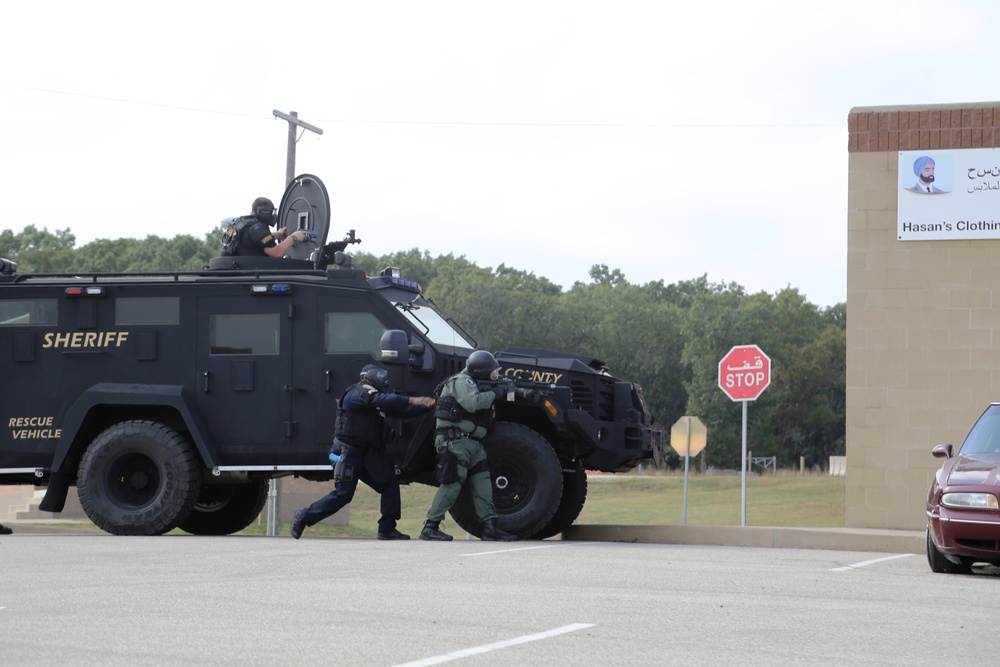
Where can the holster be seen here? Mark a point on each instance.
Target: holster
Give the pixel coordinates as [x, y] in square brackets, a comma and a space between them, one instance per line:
[446, 469]
[343, 471]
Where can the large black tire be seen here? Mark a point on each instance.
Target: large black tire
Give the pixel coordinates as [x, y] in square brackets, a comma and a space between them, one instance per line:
[138, 478]
[223, 509]
[573, 496]
[527, 482]
[939, 563]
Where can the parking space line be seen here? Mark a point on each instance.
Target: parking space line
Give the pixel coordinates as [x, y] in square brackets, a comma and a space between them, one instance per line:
[866, 563]
[486, 648]
[504, 551]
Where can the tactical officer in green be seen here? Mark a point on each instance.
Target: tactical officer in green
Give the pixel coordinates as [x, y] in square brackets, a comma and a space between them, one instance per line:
[464, 417]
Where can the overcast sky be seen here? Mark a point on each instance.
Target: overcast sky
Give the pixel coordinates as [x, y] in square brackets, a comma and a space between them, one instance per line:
[664, 139]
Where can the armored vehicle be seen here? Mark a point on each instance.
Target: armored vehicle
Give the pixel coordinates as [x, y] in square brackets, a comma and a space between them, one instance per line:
[170, 400]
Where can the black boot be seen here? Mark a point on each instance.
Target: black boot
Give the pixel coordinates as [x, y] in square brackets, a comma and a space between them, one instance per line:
[392, 535]
[431, 532]
[4, 530]
[298, 525]
[492, 533]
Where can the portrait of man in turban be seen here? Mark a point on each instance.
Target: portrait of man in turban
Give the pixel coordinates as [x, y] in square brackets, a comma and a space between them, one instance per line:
[923, 168]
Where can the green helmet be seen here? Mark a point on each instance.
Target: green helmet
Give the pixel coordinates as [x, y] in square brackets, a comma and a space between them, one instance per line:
[480, 364]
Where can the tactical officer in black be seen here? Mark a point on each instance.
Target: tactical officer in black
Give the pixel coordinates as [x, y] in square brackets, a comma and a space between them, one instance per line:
[464, 416]
[254, 237]
[358, 451]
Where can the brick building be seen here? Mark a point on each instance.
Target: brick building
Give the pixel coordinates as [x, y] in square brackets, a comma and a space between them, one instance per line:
[923, 307]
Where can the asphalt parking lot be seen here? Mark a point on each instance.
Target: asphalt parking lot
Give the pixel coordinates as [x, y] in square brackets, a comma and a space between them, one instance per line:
[73, 599]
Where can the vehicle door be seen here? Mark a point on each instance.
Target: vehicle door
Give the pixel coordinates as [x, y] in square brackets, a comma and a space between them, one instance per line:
[244, 381]
[336, 335]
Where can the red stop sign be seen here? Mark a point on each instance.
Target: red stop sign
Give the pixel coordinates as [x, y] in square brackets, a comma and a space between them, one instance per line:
[744, 373]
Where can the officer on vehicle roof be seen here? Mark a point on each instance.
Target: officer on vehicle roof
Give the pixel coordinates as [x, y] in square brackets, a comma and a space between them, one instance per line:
[358, 451]
[464, 417]
[254, 237]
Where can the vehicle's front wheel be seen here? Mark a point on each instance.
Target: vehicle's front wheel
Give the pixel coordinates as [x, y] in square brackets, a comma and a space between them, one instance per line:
[223, 509]
[570, 505]
[138, 478]
[527, 482]
[939, 563]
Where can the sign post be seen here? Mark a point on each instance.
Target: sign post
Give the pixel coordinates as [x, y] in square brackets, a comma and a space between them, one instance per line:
[688, 437]
[744, 374]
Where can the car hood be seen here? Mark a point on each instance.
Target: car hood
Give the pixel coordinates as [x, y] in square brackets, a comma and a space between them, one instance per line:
[976, 469]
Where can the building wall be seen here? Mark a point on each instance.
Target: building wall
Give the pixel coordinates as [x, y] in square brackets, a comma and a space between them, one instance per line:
[922, 357]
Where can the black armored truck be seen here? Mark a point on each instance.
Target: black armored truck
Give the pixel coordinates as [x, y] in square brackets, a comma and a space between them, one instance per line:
[170, 400]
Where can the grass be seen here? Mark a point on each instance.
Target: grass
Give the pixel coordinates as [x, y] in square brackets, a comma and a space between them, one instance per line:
[789, 500]
[808, 501]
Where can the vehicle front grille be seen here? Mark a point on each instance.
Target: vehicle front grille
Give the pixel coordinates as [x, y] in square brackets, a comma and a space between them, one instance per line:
[600, 405]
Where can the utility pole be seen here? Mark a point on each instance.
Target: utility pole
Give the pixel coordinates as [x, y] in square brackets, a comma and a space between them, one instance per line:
[293, 121]
[274, 492]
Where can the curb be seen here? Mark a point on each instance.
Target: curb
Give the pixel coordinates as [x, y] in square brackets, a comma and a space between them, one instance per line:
[834, 539]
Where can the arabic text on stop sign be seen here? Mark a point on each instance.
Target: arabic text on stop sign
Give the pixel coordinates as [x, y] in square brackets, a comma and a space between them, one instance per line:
[749, 379]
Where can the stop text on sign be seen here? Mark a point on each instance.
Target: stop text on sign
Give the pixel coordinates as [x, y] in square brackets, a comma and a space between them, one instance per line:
[748, 379]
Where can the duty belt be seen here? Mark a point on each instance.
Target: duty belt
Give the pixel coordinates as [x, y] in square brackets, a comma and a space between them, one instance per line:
[346, 449]
[451, 433]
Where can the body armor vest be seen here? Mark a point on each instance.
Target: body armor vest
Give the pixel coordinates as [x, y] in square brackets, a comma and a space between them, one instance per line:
[365, 427]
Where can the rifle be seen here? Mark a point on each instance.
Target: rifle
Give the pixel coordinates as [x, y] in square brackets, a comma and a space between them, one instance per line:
[532, 391]
[333, 253]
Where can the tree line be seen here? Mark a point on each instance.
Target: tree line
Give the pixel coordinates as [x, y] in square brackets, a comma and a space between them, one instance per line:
[666, 338]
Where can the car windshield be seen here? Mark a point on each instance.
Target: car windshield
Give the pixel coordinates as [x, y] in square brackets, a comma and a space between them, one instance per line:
[432, 325]
[984, 438]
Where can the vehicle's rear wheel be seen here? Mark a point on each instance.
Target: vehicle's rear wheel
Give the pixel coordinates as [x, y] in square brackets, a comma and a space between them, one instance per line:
[223, 509]
[939, 563]
[527, 482]
[138, 478]
[573, 497]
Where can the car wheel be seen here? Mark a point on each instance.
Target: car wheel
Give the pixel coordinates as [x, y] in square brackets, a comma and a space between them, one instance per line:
[527, 482]
[939, 563]
[138, 478]
[227, 508]
[570, 505]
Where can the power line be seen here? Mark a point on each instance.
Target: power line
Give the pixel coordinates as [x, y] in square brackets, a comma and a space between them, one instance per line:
[346, 121]
[124, 101]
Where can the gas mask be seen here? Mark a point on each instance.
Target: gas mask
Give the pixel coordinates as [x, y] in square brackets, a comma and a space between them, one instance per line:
[265, 214]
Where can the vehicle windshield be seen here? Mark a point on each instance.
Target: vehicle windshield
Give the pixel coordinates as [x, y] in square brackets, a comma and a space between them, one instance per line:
[984, 438]
[435, 327]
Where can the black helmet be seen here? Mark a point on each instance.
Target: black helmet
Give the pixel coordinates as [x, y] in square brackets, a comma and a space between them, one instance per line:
[480, 364]
[376, 376]
[263, 210]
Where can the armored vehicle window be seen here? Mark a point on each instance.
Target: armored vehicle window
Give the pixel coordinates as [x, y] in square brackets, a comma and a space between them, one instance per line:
[352, 332]
[155, 310]
[433, 325]
[244, 334]
[27, 312]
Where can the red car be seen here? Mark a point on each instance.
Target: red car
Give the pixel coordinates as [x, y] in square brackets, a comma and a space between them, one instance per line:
[963, 503]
